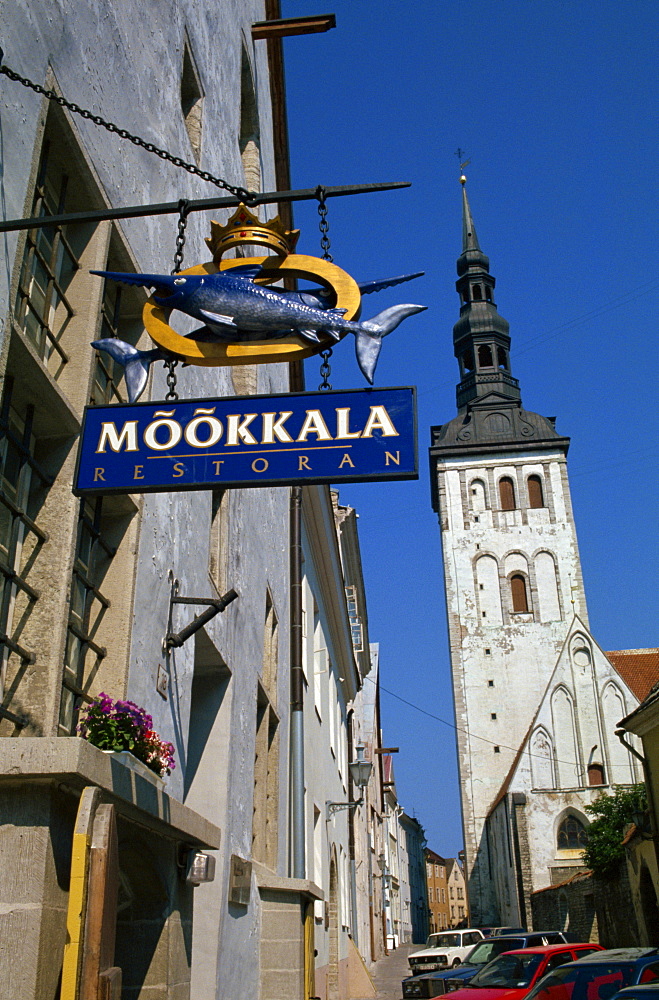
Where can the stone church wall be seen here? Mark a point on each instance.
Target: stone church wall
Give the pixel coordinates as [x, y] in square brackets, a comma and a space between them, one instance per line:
[590, 909]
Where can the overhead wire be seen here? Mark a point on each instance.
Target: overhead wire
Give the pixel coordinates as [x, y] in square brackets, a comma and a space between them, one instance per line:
[474, 736]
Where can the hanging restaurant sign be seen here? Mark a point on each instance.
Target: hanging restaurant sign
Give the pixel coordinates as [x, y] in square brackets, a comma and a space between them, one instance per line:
[293, 438]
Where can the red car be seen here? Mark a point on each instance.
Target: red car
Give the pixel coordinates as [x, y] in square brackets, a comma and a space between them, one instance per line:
[512, 975]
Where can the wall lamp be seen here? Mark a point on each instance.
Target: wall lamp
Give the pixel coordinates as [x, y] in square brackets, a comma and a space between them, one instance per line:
[360, 772]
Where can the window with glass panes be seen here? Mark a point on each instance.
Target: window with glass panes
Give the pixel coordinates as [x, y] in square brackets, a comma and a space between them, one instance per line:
[21, 479]
[87, 605]
[43, 309]
[107, 372]
[121, 310]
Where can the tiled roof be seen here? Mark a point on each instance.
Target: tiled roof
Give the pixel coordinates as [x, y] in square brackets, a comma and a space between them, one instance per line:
[639, 668]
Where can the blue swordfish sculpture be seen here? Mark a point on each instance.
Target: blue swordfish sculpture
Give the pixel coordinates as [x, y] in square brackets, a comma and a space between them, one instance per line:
[233, 308]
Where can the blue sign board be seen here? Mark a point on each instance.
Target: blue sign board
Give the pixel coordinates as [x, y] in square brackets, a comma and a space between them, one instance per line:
[294, 438]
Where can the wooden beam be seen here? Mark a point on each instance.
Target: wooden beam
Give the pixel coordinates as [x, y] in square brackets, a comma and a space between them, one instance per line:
[284, 27]
[387, 750]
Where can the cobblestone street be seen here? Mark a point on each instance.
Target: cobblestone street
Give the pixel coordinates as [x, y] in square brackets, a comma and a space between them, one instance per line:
[390, 971]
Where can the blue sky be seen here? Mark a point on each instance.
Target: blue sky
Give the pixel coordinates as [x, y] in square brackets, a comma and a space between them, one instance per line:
[556, 106]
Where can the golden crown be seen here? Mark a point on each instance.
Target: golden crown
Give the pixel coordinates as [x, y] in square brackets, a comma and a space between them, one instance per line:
[246, 228]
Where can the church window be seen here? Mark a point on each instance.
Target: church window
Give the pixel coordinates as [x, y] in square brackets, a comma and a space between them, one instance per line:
[468, 360]
[595, 774]
[534, 485]
[572, 834]
[507, 493]
[485, 356]
[518, 594]
[488, 293]
[478, 293]
[502, 358]
[478, 496]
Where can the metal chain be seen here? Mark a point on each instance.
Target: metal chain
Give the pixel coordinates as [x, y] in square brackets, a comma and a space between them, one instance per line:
[325, 370]
[171, 380]
[239, 192]
[323, 224]
[183, 209]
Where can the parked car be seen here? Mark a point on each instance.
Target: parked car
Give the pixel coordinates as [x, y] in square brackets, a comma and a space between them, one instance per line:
[496, 931]
[644, 991]
[444, 949]
[513, 974]
[600, 976]
[434, 984]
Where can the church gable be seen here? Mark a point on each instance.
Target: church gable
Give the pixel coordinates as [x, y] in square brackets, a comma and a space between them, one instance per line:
[571, 743]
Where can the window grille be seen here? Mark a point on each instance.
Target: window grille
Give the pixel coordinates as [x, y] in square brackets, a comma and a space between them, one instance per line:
[21, 478]
[43, 309]
[108, 373]
[91, 558]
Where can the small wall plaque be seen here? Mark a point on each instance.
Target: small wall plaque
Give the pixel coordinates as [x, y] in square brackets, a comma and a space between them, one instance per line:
[240, 881]
[162, 681]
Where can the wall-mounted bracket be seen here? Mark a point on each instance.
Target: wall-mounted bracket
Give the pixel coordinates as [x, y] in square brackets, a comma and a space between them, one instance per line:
[214, 605]
[333, 807]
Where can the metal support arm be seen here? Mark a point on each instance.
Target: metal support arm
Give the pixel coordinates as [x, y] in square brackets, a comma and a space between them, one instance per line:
[333, 807]
[214, 606]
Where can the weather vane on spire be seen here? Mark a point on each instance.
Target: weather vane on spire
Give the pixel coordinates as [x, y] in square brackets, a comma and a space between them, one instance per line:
[463, 163]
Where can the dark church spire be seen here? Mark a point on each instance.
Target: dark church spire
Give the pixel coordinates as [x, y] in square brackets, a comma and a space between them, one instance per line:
[480, 337]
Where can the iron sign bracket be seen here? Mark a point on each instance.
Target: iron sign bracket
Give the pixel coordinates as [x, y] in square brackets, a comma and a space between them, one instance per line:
[214, 605]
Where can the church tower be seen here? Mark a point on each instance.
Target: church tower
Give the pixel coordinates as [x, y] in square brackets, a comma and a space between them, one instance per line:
[515, 604]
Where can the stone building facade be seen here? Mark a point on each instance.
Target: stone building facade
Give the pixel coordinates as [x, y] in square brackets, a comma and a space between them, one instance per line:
[536, 700]
[87, 586]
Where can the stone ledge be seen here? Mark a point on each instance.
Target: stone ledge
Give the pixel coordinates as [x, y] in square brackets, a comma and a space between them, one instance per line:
[266, 879]
[75, 763]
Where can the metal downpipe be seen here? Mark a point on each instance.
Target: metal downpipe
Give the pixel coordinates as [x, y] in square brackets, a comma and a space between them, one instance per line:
[297, 688]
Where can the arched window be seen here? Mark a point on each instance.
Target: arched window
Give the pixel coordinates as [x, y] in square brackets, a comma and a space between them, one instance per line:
[572, 834]
[477, 498]
[534, 486]
[485, 356]
[518, 594]
[477, 292]
[502, 359]
[507, 493]
[468, 360]
[488, 293]
[595, 774]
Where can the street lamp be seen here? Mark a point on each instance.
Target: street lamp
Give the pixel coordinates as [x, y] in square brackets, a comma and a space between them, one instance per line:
[360, 772]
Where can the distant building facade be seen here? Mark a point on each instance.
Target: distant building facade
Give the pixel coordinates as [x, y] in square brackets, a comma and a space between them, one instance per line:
[414, 896]
[437, 890]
